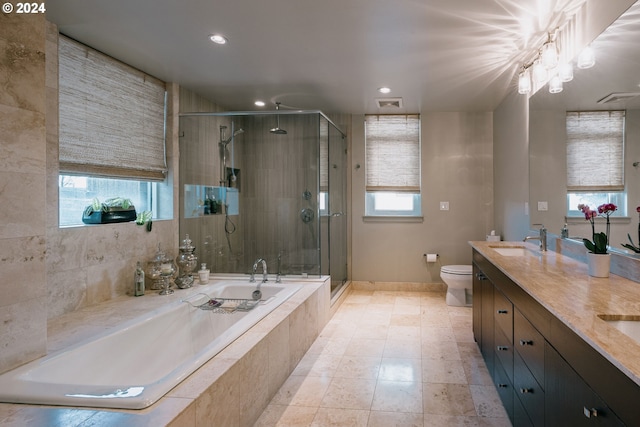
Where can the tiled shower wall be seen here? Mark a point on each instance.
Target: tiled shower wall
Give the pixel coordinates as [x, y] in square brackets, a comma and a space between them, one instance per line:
[23, 210]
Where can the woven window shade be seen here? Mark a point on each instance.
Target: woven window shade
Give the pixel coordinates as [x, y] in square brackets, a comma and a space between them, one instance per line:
[595, 150]
[393, 153]
[324, 157]
[112, 116]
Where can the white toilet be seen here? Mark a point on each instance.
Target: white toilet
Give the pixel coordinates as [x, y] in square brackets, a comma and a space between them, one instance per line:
[458, 279]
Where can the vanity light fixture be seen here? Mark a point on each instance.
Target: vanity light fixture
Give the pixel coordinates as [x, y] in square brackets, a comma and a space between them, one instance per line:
[549, 66]
[384, 89]
[218, 39]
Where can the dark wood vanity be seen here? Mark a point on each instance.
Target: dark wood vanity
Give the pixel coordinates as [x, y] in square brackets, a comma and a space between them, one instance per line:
[545, 372]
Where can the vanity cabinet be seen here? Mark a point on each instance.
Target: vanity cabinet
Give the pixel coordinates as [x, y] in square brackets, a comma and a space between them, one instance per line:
[545, 374]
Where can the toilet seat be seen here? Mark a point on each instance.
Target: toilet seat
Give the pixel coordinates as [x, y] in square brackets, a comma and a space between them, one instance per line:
[461, 270]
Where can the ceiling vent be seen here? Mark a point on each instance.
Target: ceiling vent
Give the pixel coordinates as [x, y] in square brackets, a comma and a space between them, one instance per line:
[389, 102]
[618, 96]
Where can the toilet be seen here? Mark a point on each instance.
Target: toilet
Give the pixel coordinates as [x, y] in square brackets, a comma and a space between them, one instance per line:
[458, 279]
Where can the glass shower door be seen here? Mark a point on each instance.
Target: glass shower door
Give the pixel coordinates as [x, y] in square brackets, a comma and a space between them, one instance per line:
[337, 169]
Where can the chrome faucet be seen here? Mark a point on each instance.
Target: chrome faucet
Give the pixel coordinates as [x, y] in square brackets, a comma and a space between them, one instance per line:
[255, 267]
[542, 237]
[278, 278]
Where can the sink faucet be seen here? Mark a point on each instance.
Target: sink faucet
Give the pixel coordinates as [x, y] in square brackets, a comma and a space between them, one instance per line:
[255, 267]
[542, 237]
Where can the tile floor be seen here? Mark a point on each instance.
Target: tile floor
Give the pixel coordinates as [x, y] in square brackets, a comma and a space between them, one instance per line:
[390, 358]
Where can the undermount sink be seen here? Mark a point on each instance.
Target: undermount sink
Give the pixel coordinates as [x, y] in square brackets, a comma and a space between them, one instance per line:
[510, 250]
[628, 325]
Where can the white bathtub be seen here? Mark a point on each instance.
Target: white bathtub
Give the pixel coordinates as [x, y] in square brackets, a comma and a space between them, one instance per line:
[134, 366]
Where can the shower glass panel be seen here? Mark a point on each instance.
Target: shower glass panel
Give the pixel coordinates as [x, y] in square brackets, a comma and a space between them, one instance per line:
[249, 193]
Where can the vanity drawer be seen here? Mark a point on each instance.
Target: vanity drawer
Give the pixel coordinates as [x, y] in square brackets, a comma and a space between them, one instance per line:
[528, 391]
[529, 343]
[503, 314]
[504, 387]
[504, 352]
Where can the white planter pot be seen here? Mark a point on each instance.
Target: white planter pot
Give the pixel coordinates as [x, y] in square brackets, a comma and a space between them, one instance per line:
[599, 264]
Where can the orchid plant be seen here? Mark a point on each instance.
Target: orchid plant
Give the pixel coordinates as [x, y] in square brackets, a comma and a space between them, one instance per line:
[600, 241]
[631, 246]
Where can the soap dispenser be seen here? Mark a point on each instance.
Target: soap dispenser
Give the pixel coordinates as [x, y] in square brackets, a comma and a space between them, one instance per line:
[203, 274]
[564, 233]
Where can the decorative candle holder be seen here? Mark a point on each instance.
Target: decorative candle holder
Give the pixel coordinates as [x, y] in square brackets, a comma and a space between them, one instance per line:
[155, 267]
[187, 262]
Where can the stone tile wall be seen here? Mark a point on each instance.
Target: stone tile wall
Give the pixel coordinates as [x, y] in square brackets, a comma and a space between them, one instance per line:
[22, 189]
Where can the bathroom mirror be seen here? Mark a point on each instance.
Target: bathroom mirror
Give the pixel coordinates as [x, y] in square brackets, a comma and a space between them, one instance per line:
[612, 84]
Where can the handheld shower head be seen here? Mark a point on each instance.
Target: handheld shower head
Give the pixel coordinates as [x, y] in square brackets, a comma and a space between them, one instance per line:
[224, 141]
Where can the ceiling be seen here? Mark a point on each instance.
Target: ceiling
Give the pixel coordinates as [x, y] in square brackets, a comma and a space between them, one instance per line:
[331, 55]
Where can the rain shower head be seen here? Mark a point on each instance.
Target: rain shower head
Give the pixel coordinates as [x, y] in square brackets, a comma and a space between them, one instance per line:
[277, 130]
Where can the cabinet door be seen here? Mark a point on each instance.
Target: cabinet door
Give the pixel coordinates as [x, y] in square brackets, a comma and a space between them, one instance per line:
[529, 343]
[486, 346]
[569, 400]
[478, 278]
[503, 312]
[505, 388]
[528, 391]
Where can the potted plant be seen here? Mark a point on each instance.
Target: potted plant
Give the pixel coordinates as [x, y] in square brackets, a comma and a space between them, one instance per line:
[116, 209]
[632, 246]
[598, 258]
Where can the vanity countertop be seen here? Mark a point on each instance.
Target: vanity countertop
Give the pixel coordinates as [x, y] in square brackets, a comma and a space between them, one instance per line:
[563, 286]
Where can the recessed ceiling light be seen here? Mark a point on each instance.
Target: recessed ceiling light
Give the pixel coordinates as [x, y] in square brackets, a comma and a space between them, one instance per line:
[218, 38]
[384, 89]
[259, 103]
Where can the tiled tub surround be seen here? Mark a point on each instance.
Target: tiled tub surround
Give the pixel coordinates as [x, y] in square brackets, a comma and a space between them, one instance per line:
[563, 286]
[166, 345]
[232, 388]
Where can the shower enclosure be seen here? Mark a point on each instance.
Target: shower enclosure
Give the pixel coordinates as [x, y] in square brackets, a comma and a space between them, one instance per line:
[268, 185]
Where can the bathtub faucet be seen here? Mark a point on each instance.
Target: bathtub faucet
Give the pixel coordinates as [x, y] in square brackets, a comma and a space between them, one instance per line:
[255, 267]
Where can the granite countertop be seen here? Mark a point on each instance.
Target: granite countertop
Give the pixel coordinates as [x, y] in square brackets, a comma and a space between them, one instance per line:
[563, 286]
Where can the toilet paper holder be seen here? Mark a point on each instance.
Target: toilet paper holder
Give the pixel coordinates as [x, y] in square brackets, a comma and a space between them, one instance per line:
[430, 257]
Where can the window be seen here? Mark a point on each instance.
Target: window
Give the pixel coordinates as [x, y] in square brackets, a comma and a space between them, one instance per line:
[392, 165]
[111, 133]
[595, 160]
[77, 192]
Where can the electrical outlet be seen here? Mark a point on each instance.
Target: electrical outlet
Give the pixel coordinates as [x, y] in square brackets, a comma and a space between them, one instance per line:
[444, 206]
[543, 206]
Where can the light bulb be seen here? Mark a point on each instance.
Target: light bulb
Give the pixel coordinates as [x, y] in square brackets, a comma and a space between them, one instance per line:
[524, 82]
[549, 55]
[540, 74]
[587, 58]
[555, 84]
[565, 71]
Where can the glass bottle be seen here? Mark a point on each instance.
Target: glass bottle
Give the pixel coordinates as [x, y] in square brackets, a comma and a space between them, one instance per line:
[138, 282]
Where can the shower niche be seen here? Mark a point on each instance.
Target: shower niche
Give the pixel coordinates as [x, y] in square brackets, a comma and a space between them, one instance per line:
[201, 200]
[264, 179]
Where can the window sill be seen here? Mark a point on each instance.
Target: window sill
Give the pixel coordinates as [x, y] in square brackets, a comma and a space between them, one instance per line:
[389, 218]
[599, 220]
[110, 223]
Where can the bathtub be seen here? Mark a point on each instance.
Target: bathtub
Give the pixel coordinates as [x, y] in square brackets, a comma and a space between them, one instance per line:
[135, 365]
